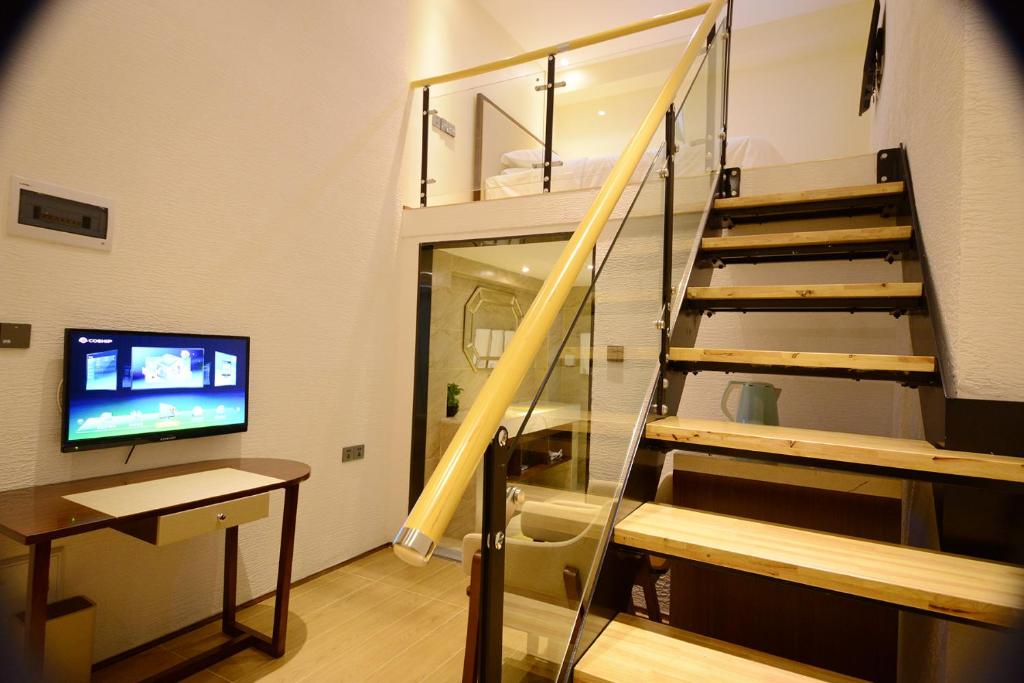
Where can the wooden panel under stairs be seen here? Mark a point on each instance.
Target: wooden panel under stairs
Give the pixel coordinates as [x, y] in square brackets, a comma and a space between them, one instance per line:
[917, 369]
[829, 297]
[632, 649]
[962, 587]
[912, 455]
[887, 241]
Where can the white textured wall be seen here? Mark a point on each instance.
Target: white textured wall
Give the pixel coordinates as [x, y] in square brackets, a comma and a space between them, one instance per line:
[254, 150]
[450, 35]
[796, 82]
[953, 95]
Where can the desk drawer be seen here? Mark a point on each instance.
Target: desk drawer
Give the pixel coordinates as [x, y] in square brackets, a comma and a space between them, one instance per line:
[181, 525]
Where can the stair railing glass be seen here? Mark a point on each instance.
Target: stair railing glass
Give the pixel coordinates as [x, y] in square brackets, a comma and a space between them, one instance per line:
[577, 461]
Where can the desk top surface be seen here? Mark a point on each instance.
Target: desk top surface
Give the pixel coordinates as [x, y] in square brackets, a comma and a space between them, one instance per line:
[39, 513]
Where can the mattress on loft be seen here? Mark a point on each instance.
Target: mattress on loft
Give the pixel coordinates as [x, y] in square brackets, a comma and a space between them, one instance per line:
[586, 172]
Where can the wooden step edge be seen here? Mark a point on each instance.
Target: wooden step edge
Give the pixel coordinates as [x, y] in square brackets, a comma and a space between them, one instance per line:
[630, 649]
[955, 586]
[911, 455]
[829, 194]
[896, 233]
[798, 359]
[827, 291]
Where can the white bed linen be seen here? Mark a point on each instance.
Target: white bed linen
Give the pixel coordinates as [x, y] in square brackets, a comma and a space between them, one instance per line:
[577, 174]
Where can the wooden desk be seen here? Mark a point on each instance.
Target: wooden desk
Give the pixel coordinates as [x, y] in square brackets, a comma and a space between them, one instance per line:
[38, 515]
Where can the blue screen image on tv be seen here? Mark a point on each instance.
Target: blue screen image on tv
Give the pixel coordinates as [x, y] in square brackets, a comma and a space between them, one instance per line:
[132, 387]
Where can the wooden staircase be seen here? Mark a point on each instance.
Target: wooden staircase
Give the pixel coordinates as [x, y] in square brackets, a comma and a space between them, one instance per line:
[921, 580]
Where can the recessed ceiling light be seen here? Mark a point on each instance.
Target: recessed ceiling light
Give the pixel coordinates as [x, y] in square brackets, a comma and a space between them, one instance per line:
[601, 112]
[590, 266]
[525, 269]
[564, 61]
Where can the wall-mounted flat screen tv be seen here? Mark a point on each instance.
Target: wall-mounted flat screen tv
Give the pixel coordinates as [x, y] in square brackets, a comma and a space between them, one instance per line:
[126, 388]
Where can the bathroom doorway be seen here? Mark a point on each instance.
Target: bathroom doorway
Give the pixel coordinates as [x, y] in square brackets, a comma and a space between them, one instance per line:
[472, 297]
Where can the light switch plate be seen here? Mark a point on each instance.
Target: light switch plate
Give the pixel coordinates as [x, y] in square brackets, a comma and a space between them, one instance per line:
[350, 453]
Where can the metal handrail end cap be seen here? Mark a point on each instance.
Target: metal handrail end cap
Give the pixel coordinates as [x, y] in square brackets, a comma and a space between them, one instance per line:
[413, 547]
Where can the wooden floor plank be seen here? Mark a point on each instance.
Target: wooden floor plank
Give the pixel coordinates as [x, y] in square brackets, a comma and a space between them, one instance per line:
[632, 649]
[810, 196]
[375, 607]
[891, 233]
[869, 290]
[962, 587]
[799, 359]
[859, 449]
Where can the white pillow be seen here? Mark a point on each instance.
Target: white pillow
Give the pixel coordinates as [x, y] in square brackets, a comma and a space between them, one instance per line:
[525, 158]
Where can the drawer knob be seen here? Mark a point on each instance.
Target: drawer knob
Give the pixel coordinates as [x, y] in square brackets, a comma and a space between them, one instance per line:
[222, 516]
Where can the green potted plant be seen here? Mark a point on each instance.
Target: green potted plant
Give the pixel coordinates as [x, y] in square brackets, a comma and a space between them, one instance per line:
[453, 399]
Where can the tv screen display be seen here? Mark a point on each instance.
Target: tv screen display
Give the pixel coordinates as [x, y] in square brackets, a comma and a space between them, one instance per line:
[125, 388]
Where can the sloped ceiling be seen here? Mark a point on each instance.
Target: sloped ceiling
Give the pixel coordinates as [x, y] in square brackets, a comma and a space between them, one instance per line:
[536, 23]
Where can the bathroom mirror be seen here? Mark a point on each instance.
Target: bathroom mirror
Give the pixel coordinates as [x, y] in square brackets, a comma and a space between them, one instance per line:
[490, 318]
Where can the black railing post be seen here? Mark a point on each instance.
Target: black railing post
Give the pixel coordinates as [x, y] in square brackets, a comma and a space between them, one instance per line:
[725, 80]
[425, 142]
[492, 556]
[549, 122]
[666, 255]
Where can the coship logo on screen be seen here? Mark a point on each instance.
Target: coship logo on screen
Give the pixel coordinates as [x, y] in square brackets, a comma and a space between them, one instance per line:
[86, 340]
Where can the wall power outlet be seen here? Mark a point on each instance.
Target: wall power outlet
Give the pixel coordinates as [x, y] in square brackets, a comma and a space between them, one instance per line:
[350, 453]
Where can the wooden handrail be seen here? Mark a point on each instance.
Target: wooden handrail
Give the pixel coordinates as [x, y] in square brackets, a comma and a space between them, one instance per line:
[416, 541]
[576, 43]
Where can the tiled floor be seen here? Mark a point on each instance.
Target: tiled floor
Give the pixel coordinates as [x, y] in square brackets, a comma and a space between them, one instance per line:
[375, 619]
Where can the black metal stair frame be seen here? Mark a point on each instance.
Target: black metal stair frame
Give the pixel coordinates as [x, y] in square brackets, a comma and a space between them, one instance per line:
[893, 305]
[912, 379]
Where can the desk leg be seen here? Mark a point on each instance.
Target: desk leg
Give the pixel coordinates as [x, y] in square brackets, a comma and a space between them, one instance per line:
[230, 581]
[35, 608]
[284, 569]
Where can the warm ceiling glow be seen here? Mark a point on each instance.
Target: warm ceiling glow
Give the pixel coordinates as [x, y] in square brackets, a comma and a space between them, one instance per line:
[601, 112]
[590, 266]
[564, 61]
[525, 269]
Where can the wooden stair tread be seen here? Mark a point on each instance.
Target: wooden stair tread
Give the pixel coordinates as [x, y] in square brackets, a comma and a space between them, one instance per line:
[957, 586]
[849, 291]
[798, 359]
[859, 449]
[810, 196]
[632, 649]
[806, 239]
